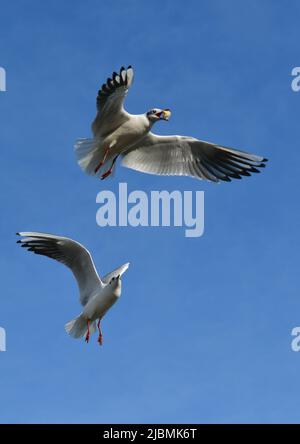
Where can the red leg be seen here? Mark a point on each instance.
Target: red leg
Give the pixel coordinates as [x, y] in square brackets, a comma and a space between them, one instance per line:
[102, 161]
[108, 172]
[87, 337]
[100, 333]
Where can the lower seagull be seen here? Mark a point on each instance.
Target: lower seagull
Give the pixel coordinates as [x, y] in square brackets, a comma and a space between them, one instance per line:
[96, 295]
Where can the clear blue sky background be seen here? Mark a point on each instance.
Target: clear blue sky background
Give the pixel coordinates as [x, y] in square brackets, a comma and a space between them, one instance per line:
[202, 331]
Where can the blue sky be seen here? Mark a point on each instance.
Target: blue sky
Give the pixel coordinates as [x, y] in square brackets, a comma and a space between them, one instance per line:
[202, 331]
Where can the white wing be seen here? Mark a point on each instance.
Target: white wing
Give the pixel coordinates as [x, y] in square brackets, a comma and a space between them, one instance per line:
[110, 100]
[187, 156]
[67, 251]
[118, 271]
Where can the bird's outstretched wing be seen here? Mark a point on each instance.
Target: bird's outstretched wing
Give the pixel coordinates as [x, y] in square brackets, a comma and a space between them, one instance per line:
[70, 253]
[118, 271]
[187, 156]
[110, 100]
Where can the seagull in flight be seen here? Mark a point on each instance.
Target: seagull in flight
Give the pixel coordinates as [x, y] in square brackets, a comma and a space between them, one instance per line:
[96, 295]
[118, 133]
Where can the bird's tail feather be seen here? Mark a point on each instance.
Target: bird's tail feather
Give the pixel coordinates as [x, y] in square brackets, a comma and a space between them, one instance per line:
[78, 327]
[89, 153]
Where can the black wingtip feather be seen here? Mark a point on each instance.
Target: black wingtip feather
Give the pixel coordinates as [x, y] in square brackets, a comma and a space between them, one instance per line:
[114, 75]
[235, 175]
[117, 80]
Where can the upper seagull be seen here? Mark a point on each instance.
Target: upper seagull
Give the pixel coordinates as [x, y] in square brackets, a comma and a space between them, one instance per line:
[96, 295]
[116, 132]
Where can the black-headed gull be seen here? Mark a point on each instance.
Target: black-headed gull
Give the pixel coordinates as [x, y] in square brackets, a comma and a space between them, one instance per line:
[116, 132]
[96, 295]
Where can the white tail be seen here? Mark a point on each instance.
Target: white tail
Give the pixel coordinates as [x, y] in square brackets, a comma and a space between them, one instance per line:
[89, 154]
[78, 327]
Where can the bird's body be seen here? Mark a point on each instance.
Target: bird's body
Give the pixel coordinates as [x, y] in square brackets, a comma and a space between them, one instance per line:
[125, 136]
[116, 132]
[96, 295]
[102, 301]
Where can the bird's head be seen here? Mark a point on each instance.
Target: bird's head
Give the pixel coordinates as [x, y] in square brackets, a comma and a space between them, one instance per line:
[115, 280]
[156, 114]
[115, 283]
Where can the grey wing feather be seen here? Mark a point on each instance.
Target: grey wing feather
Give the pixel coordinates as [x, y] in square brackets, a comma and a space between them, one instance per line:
[187, 156]
[68, 252]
